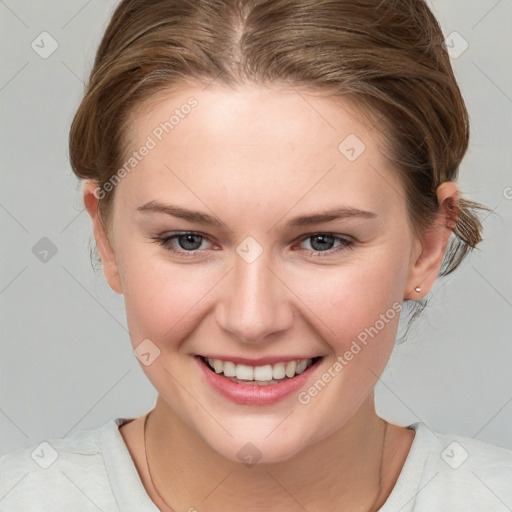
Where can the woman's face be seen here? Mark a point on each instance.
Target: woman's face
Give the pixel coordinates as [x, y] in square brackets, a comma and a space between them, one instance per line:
[261, 280]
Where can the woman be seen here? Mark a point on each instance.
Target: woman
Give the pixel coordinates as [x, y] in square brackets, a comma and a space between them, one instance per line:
[268, 183]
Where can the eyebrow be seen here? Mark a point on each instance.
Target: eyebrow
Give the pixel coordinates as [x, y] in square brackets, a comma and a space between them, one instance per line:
[304, 220]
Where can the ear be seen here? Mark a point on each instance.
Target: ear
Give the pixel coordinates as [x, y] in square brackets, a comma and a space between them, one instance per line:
[91, 194]
[428, 258]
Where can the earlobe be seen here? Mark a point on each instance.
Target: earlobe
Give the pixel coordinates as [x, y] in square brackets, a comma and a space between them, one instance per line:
[91, 197]
[427, 261]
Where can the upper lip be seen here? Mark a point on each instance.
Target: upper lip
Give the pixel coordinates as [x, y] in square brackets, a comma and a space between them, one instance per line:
[261, 361]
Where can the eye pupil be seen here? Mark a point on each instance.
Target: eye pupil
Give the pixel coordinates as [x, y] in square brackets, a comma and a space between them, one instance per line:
[324, 240]
[186, 241]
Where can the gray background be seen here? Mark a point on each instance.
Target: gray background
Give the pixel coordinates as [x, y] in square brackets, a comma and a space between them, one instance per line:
[66, 360]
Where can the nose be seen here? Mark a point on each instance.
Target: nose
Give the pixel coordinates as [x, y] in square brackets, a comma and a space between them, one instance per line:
[256, 303]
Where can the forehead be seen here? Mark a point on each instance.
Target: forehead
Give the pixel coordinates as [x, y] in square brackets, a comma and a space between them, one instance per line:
[252, 115]
[258, 144]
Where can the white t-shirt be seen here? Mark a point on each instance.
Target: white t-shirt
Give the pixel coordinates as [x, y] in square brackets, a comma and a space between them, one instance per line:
[92, 470]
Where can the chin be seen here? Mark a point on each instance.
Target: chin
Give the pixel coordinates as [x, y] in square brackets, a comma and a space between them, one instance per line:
[258, 451]
[260, 441]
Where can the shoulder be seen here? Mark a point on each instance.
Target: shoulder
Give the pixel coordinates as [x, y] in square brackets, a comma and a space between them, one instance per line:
[57, 474]
[463, 472]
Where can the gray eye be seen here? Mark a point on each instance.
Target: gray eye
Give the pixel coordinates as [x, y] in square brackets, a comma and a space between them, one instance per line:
[190, 241]
[322, 242]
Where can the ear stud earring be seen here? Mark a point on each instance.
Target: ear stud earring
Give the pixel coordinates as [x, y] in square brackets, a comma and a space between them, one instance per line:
[417, 289]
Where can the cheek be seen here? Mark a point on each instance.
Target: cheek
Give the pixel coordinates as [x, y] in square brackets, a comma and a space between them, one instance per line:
[163, 299]
[357, 303]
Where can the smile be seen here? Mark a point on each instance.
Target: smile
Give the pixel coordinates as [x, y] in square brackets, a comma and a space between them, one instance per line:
[262, 384]
[260, 375]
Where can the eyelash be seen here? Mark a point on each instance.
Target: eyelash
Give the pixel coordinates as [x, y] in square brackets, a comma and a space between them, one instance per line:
[164, 240]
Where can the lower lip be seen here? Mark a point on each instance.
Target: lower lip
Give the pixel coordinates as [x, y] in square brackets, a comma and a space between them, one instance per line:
[253, 394]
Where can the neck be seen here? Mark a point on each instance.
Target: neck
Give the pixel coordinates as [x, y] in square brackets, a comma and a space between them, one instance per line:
[187, 473]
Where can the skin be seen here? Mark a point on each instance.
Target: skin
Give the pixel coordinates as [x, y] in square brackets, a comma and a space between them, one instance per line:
[255, 158]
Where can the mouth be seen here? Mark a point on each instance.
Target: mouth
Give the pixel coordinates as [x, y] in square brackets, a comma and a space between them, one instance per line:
[262, 375]
[261, 384]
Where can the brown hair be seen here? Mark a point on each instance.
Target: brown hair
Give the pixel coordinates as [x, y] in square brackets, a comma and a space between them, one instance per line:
[388, 56]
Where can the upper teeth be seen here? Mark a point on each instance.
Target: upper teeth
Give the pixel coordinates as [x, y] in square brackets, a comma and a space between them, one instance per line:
[263, 373]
